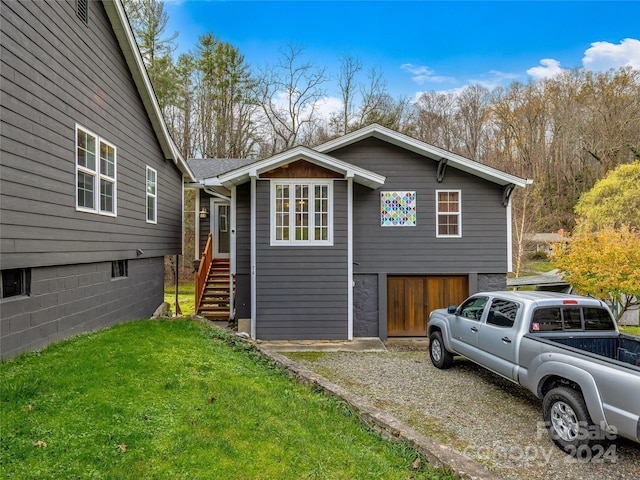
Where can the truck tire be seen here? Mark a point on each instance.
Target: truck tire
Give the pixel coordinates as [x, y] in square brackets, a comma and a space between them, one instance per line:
[567, 419]
[440, 356]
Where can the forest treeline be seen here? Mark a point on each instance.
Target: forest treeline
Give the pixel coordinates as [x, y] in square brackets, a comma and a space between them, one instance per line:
[564, 132]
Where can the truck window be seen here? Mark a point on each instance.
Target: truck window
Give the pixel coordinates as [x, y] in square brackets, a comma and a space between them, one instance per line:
[571, 318]
[546, 320]
[597, 319]
[473, 308]
[502, 313]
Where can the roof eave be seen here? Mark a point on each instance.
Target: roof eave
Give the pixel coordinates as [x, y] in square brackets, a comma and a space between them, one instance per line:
[120, 24]
[421, 148]
[244, 174]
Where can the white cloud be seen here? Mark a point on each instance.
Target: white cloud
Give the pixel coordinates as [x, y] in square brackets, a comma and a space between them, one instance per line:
[550, 68]
[423, 74]
[605, 55]
[327, 106]
[493, 79]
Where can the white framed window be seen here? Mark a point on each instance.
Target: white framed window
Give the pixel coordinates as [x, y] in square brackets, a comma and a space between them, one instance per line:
[301, 212]
[96, 164]
[449, 213]
[152, 195]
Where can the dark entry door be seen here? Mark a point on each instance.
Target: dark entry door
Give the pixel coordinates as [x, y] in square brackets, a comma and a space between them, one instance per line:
[410, 299]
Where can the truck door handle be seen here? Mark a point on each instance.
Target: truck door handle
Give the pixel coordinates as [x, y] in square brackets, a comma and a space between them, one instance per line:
[474, 329]
[506, 339]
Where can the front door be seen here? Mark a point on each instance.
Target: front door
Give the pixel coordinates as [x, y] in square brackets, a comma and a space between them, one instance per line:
[221, 229]
[410, 299]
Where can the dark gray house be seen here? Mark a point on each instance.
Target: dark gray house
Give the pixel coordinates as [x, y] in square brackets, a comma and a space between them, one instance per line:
[359, 237]
[91, 184]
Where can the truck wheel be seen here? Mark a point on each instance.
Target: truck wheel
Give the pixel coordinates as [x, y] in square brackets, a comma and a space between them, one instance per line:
[440, 356]
[567, 418]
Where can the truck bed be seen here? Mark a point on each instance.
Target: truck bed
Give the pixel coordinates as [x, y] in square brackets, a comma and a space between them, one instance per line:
[620, 347]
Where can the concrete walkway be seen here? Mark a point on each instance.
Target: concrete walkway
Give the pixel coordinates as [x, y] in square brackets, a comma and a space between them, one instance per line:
[360, 344]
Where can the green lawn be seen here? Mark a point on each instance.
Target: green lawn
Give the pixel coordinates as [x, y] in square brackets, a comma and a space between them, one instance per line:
[631, 330]
[186, 297]
[176, 400]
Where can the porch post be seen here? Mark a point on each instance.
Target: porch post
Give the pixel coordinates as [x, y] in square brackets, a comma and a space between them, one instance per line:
[509, 238]
[350, 257]
[253, 175]
[232, 251]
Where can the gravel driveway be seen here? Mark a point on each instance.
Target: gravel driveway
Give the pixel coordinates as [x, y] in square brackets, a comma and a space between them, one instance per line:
[491, 420]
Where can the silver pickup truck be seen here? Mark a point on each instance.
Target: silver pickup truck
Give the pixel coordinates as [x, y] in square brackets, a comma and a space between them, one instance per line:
[566, 349]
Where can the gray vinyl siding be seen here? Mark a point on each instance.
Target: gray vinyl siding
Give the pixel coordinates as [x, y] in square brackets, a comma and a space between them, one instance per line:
[416, 250]
[72, 299]
[302, 291]
[56, 72]
[243, 251]
[205, 223]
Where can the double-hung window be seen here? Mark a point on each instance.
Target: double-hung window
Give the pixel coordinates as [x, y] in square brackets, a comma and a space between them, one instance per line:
[96, 185]
[448, 213]
[301, 213]
[152, 196]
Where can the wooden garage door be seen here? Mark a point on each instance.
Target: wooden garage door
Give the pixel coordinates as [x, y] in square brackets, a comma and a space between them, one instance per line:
[411, 298]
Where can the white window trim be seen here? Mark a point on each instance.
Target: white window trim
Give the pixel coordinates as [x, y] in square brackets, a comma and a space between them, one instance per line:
[97, 175]
[312, 183]
[149, 195]
[458, 214]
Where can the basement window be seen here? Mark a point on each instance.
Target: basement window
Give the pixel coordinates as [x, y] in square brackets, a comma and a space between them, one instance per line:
[16, 282]
[119, 269]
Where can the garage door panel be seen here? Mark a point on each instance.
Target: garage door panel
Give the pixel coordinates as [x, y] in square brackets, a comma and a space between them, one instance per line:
[410, 299]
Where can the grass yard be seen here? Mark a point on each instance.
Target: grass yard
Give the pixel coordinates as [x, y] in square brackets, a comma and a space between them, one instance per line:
[176, 400]
[186, 297]
[630, 330]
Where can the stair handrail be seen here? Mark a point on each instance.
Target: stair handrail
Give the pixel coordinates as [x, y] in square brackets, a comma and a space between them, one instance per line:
[203, 271]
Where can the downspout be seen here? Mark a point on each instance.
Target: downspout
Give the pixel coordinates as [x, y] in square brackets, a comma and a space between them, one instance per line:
[350, 283]
[253, 175]
[196, 239]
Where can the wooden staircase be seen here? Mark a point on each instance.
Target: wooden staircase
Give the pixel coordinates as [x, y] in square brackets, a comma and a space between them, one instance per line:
[218, 292]
[215, 286]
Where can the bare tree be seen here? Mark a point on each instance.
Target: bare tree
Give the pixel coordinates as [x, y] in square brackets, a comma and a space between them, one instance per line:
[472, 116]
[435, 121]
[347, 81]
[288, 94]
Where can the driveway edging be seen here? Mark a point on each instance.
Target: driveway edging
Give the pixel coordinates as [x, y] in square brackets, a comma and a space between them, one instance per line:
[438, 454]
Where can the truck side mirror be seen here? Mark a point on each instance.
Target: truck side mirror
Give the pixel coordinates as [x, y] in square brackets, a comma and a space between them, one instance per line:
[451, 309]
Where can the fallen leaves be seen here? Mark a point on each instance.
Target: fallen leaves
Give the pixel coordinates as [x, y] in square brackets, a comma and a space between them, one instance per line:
[122, 447]
[40, 444]
[416, 463]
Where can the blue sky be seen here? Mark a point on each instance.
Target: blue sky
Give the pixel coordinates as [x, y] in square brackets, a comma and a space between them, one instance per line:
[423, 45]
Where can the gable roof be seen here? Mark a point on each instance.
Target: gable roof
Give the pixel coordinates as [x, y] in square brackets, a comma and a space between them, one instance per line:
[124, 34]
[422, 148]
[243, 174]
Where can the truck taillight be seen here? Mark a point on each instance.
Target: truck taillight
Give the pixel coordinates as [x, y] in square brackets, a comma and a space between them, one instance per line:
[569, 302]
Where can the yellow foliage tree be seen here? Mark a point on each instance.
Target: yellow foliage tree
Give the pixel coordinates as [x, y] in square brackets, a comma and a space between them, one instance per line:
[603, 264]
[613, 201]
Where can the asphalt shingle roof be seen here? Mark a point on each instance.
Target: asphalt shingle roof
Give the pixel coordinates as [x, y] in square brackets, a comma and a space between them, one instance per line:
[212, 167]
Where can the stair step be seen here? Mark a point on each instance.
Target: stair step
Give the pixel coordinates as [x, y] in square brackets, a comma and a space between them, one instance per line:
[216, 297]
